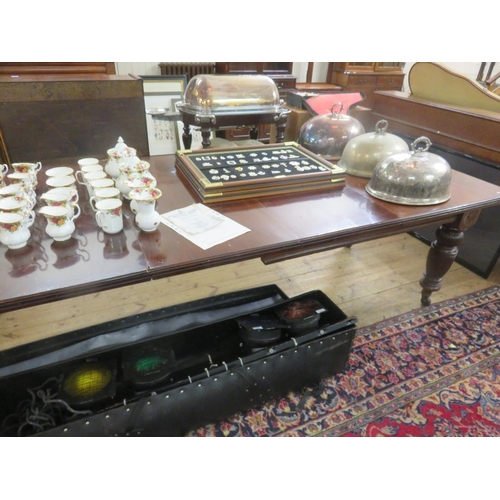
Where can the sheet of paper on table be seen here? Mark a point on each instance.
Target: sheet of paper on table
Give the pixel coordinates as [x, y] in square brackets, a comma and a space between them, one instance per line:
[202, 225]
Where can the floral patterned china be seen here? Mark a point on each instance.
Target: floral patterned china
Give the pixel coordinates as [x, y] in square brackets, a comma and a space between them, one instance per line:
[70, 191]
[28, 180]
[109, 215]
[27, 168]
[14, 229]
[147, 218]
[60, 221]
[14, 204]
[117, 157]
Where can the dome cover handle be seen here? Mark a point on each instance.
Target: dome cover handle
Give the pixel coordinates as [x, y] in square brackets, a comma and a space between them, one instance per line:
[425, 140]
[337, 113]
[381, 126]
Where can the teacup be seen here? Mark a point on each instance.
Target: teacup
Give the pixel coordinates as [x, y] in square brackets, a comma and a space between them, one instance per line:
[86, 178]
[19, 191]
[59, 200]
[91, 168]
[104, 194]
[15, 204]
[27, 168]
[85, 162]
[105, 182]
[28, 180]
[14, 232]
[109, 215]
[71, 192]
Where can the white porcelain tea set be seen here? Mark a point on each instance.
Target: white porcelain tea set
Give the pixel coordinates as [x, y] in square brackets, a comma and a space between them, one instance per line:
[106, 187]
[124, 176]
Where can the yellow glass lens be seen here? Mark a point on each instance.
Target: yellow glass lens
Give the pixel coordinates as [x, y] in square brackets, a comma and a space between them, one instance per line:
[87, 381]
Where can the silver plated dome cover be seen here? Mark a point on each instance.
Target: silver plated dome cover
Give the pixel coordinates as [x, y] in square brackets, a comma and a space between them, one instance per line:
[327, 135]
[414, 178]
[362, 153]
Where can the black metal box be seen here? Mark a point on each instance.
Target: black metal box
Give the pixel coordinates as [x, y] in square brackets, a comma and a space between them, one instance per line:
[172, 370]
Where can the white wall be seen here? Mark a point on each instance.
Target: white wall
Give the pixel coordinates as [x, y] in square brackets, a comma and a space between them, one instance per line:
[137, 68]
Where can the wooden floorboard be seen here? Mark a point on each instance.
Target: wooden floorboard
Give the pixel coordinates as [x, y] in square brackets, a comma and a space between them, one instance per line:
[373, 281]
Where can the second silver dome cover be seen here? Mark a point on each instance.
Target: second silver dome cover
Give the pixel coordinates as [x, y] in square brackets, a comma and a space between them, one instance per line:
[362, 153]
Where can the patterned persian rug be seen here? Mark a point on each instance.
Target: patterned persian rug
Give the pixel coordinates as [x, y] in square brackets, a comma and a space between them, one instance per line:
[431, 372]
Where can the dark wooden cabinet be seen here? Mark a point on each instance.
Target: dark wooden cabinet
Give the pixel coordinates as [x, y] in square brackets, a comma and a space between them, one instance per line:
[254, 68]
[64, 116]
[57, 68]
[366, 77]
[280, 72]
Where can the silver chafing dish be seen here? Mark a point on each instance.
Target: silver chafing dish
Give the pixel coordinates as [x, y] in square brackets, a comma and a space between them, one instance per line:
[228, 101]
[208, 95]
[327, 135]
[414, 178]
[362, 154]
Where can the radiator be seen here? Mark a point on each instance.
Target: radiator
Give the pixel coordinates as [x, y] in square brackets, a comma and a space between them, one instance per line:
[189, 69]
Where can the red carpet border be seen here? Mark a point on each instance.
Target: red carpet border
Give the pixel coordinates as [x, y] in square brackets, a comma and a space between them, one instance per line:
[431, 372]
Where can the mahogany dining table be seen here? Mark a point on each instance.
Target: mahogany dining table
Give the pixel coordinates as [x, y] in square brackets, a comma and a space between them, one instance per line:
[281, 227]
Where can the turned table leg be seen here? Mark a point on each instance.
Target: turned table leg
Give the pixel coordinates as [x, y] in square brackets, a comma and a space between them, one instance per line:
[443, 252]
[205, 137]
[254, 133]
[280, 132]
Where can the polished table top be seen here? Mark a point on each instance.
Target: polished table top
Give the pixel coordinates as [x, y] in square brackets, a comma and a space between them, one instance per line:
[281, 227]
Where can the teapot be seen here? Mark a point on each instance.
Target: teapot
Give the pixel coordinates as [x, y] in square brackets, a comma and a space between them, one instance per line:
[116, 157]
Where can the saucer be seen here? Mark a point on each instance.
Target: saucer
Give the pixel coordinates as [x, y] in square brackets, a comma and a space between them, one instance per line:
[59, 172]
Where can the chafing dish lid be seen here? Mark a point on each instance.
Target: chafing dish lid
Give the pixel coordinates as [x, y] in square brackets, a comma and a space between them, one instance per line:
[414, 178]
[362, 153]
[327, 135]
[225, 94]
